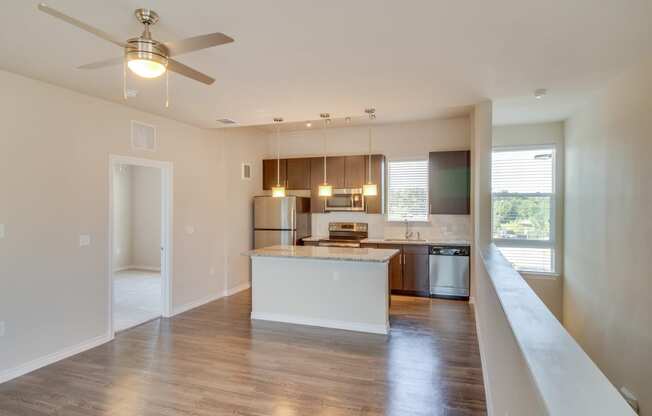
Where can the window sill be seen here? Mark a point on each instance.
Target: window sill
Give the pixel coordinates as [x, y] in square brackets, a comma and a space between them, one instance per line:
[543, 275]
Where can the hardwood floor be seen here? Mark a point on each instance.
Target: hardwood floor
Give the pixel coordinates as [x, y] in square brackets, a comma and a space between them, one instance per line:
[214, 361]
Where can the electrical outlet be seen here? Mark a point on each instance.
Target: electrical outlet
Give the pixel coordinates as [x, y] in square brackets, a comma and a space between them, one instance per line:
[84, 240]
[211, 271]
[2, 328]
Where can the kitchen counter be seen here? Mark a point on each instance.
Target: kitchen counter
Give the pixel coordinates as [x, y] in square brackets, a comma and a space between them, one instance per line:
[326, 253]
[431, 242]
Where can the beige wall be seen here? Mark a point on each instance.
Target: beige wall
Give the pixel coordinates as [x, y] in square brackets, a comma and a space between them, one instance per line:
[146, 217]
[395, 140]
[548, 288]
[54, 151]
[137, 217]
[243, 145]
[608, 231]
[121, 217]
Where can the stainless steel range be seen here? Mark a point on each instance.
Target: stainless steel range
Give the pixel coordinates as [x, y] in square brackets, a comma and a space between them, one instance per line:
[345, 234]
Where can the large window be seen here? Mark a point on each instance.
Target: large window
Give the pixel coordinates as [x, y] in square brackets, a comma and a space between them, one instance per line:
[523, 206]
[407, 190]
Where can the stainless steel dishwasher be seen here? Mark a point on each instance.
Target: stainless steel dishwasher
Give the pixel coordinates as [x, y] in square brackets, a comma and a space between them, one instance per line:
[449, 271]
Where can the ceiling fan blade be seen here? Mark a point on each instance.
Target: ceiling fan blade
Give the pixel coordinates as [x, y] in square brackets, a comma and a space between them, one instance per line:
[102, 64]
[179, 68]
[90, 29]
[197, 42]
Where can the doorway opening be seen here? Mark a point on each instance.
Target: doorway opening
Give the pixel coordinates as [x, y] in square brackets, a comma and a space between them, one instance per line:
[139, 241]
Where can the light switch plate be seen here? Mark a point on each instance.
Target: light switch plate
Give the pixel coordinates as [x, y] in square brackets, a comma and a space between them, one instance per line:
[84, 240]
[2, 231]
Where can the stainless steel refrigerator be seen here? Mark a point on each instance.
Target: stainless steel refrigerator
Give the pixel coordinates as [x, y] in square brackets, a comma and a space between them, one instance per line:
[280, 220]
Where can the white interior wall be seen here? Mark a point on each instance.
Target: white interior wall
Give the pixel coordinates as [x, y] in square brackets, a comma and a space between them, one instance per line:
[409, 140]
[548, 288]
[55, 145]
[122, 253]
[146, 218]
[608, 231]
[242, 145]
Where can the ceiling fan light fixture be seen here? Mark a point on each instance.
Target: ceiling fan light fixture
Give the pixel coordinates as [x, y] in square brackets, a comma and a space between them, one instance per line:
[146, 68]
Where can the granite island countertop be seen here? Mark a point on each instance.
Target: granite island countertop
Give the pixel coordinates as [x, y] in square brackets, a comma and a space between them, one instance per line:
[374, 255]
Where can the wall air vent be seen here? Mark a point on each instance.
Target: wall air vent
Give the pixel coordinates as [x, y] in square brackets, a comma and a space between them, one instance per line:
[227, 121]
[143, 137]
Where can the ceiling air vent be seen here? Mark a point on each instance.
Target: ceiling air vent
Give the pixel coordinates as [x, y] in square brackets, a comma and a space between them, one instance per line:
[143, 137]
[227, 121]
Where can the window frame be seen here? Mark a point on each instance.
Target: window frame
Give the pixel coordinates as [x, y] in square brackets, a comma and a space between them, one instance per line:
[388, 199]
[552, 242]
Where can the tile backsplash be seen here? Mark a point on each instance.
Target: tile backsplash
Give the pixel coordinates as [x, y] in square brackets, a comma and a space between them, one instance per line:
[444, 227]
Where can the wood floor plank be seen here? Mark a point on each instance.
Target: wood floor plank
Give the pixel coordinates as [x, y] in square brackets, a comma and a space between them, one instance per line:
[213, 360]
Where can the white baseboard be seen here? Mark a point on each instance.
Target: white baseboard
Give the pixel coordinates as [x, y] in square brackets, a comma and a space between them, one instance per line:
[196, 303]
[137, 267]
[37, 363]
[238, 288]
[324, 323]
[210, 298]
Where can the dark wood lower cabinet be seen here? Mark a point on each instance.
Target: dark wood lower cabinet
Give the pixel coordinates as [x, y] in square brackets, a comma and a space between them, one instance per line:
[415, 270]
[409, 270]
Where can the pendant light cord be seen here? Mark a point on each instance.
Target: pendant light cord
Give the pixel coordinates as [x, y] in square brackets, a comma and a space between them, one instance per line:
[278, 155]
[325, 127]
[369, 177]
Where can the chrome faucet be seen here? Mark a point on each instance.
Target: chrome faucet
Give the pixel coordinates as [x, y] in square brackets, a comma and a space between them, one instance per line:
[408, 233]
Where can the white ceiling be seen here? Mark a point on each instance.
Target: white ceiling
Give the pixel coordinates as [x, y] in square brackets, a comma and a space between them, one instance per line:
[409, 59]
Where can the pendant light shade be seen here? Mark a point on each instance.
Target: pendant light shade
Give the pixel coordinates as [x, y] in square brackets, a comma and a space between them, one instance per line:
[278, 191]
[370, 188]
[325, 190]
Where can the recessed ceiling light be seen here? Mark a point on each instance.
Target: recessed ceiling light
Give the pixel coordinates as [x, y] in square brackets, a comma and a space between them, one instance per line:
[308, 124]
[540, 93]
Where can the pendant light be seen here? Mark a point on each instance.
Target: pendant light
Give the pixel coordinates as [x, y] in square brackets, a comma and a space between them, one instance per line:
[370, 189]
[278, 191]
[325, 190]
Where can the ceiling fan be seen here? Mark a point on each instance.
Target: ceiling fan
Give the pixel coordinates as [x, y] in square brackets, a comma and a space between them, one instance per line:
[143, 55]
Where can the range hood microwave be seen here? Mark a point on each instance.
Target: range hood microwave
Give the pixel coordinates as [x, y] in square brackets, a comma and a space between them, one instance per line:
[346, 200]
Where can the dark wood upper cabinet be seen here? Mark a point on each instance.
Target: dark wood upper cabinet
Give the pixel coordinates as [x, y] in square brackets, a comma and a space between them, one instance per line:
[354, 173]
[335, 167]
[450, 182]
[375, 204]
[316, 179]
[270, 173]
[298, 174]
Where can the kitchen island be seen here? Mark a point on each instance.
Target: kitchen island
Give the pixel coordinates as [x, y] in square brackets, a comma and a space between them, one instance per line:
[332, 287]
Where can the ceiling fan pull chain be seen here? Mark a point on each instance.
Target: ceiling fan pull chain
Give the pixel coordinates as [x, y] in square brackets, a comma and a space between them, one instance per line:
[124, 79]
[167, 89]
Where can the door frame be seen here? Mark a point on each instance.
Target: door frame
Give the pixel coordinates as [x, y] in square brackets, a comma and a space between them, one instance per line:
[166, 169]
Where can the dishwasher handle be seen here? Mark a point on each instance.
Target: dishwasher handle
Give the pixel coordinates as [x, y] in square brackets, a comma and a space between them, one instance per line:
[449, 251]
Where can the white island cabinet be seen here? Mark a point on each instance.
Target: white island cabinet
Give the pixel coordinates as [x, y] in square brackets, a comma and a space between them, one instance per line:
[331, 287]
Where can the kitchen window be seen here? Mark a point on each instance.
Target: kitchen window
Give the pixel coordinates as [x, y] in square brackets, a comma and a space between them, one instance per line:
[407, 190]
[523, 206]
